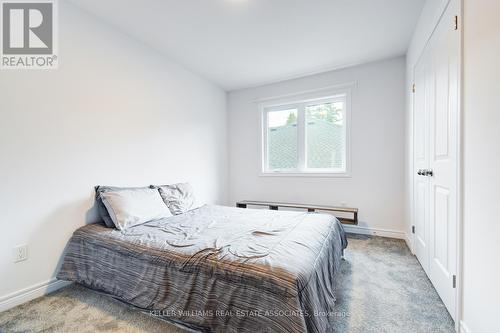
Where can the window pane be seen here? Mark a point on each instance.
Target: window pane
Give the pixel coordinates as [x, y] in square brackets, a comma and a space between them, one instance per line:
[282, 139]
[326, 136]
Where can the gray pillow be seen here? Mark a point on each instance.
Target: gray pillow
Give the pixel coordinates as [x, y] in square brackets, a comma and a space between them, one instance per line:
[101, 208]
[131, 207]
[178, 197]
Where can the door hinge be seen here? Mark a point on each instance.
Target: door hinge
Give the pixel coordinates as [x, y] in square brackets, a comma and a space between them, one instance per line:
[412, 229]
[454, 281]
[456, 22]
[413, 88]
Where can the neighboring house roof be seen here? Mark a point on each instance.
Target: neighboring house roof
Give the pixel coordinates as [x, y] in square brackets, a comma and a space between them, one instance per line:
[325, 145]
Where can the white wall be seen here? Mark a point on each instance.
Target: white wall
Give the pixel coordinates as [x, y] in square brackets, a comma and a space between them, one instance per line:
[429, 18]
[481, 295]
[114, 113]
[377, 140]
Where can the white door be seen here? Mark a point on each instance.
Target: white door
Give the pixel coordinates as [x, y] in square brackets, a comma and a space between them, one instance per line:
[436, 154]
[422, 103]
[444, 160]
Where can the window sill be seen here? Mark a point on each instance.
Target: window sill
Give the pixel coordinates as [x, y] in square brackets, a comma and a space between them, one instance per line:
[307, 174]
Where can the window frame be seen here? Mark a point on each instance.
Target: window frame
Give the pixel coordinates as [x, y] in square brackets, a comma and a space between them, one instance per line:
[300, 101]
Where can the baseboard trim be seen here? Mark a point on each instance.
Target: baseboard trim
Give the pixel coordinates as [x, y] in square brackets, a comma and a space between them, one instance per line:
[375, 232]
[27, 294]
[409, 242]
[463, 328]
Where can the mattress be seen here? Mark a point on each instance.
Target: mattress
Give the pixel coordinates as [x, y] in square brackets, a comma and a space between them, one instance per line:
[218, 269]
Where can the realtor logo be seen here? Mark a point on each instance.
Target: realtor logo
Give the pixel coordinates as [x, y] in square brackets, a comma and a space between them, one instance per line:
[28, 34]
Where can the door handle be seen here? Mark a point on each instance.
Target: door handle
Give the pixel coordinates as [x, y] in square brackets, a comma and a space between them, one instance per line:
[425, 172]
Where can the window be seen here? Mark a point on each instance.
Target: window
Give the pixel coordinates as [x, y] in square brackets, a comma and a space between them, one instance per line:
[306, 137]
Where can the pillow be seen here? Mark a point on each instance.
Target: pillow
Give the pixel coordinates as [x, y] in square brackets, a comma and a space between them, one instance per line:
[103, 212]
[178, 197]
[130, 207]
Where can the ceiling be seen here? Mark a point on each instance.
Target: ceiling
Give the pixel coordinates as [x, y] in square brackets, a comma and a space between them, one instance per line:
[244, 43]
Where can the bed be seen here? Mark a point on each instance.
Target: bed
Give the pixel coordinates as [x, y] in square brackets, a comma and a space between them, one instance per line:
[218, 269]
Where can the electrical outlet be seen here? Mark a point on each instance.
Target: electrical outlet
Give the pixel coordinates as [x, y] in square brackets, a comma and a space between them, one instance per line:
[20, 253]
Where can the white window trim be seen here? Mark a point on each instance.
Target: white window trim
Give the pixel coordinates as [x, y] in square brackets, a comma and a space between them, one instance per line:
[332, 92]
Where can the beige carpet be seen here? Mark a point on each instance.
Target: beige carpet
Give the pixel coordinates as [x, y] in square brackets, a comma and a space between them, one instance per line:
[382, 288]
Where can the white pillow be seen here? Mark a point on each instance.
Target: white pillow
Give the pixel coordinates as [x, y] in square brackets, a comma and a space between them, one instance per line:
[131, 207]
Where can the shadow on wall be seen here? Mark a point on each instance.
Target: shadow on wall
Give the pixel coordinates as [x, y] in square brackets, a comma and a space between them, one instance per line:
[92, 214]
[64, 220]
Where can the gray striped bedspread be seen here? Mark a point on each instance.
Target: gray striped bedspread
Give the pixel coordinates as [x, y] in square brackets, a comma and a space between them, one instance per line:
[218, 269]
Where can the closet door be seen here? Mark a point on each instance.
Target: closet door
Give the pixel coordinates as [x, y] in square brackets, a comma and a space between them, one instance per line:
[436, 157]
[444, 160]
[422, 105]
